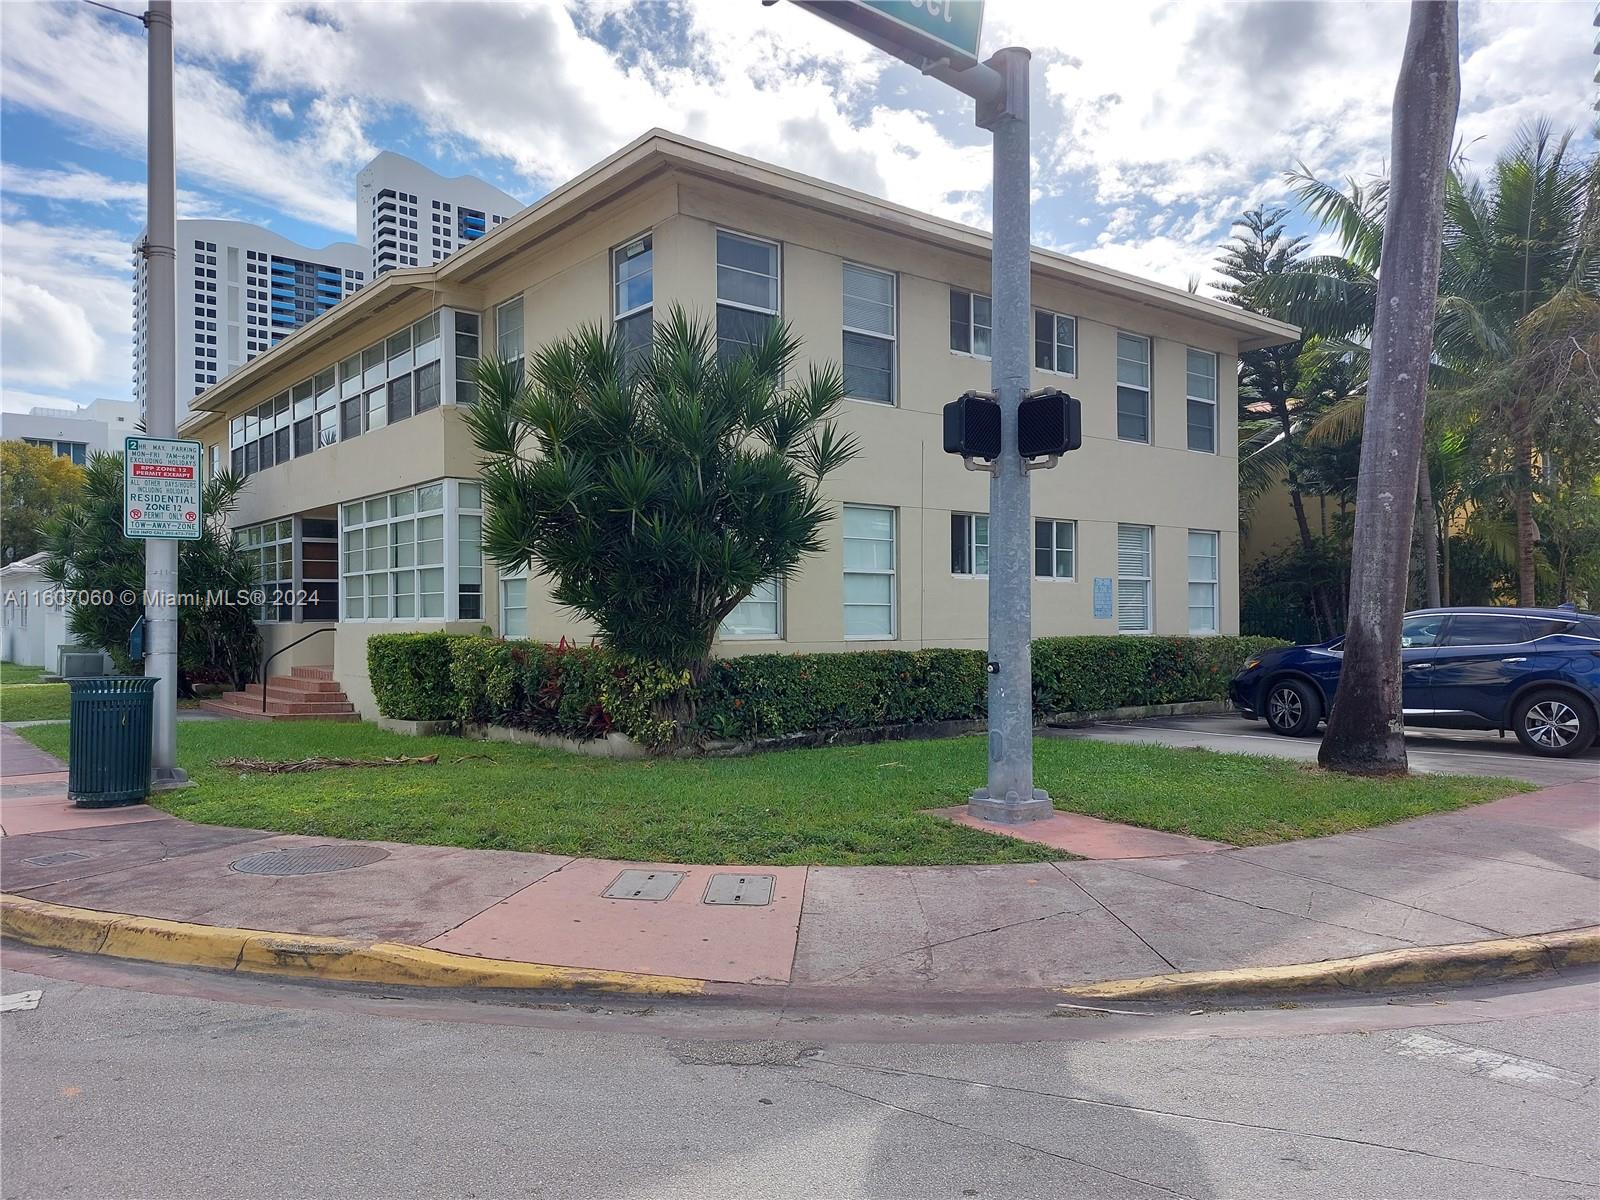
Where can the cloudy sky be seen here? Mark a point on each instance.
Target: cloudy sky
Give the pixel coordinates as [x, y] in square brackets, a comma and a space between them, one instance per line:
[1154, 123]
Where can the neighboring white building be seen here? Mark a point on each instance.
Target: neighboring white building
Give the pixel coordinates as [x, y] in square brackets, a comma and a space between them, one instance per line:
[242, 289]
[71, 431]
[410, 216]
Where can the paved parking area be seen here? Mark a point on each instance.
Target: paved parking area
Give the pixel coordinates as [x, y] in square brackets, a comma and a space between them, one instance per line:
[1446, 751]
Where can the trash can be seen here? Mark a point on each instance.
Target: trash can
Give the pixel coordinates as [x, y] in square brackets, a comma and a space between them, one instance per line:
[108, 756]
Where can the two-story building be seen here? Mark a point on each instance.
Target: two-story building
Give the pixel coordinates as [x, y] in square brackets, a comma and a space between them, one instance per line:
[363, 476]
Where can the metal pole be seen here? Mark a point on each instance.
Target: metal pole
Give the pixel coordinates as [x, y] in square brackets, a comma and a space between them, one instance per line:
[160, 417]
[1010, 796]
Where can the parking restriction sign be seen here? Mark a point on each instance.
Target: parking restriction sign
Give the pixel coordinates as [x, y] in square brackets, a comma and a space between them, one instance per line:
[161, 488]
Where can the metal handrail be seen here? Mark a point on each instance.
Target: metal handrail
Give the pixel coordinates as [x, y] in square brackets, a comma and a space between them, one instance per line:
[280, 650]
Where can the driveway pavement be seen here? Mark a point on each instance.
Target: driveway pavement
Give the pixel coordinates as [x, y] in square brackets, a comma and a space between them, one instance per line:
[1445, 751]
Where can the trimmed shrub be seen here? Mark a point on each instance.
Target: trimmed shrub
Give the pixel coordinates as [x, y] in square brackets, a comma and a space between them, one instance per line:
[1092, 674]
[410, 674]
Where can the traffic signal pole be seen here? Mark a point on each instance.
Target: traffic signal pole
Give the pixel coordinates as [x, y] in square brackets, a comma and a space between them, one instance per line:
[1010, 796]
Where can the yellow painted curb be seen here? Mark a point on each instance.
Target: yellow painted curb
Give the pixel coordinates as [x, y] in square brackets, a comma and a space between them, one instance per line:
[1419, 966]
[350, 960]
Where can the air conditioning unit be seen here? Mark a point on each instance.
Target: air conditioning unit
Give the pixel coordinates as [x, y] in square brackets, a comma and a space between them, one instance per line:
[80, 662]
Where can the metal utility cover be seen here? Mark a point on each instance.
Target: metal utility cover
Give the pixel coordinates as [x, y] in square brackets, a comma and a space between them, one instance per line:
[643, 885]
[57, 860]
[308, 860]
[740, 889]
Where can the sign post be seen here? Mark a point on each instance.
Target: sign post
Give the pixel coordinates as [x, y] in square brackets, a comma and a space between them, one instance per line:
[941, 39]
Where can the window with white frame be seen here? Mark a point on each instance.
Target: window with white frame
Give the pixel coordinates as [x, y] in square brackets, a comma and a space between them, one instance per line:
[869, 572]
[270, 549]
[869, 334]
[969, 544]
[971, 324]
[1201, 390]
[747, 291]
[1055, 342]
[1055, 549]
[508, 334]
[394, 555]
[632, 295]
[758, 615]
[1134, 613]
[514, 606]
[469, 551]
[1202, 581]
[467, 332]
[1133, 387]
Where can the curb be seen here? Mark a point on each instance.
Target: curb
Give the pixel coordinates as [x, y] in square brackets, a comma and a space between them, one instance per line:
[347, 960]
[1419, 966]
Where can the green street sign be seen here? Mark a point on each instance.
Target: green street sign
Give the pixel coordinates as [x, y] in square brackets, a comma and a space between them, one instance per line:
[934, 28]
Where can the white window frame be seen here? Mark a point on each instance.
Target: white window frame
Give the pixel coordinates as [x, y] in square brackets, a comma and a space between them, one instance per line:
[972, 543]
[506, 607]
[506, 313]
[448, 562]
[254, 540]
[777, 601]
[893, 338]
[777, 267]
[1214, 583]
[619, 256]
[1147, 388]
[891, 572]
[1055, 549]
[469, 554]
[1055, 344]
[1190, 398]
[972, 324]
[1148, 579]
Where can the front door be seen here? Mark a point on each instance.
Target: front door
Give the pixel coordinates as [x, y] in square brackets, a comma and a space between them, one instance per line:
[1480, 663]
[1419, 635]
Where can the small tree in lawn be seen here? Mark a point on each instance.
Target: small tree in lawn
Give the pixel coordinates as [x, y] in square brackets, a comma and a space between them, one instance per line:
[88, 554]
[657, 493]
[37, 484]
[1365, 730]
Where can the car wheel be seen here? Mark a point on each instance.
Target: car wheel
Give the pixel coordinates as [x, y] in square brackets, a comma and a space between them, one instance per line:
[1292, 707]
[1554, 723]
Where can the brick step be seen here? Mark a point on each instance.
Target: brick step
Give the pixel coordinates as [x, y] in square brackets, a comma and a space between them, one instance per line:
[323, 673]
[285, 685]
[323, 702]
[248, 709]
[276, 695]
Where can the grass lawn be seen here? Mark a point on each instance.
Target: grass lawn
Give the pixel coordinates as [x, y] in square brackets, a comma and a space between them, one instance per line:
[11, 672]
[835, 806]
[20, 701]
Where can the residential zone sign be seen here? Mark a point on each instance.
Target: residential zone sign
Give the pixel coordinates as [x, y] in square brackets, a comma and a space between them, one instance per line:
[161, 488]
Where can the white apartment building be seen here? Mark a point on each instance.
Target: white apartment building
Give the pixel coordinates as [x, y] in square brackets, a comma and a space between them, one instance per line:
[242, 289]
[73, 431]
[411, 216]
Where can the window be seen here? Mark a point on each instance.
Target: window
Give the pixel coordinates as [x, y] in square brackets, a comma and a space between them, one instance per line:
[1201, 390]
[747, 292]
[466, 356]
[758, 615]
[1055, 342]
[394, 555]
[508, 333]
[1133, 579]
[869, 564]
[971, 324]
[869, 334]
[632, 294]
[1486, 629]
[1133, 388]
[270, 549]
[1420, 631]
[1202, 581]
[514, 607]
[469, 551]
[1055, 549]
[319, 568]
[969, 544]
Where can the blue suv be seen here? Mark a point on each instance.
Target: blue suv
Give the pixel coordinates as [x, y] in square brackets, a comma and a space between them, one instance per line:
[1534, 671]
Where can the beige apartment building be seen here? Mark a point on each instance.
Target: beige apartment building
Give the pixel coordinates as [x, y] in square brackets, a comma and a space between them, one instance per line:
[362, 474]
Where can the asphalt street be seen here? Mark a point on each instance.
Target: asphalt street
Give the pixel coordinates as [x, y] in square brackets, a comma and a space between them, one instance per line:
[112, 1092]
[1457, 752]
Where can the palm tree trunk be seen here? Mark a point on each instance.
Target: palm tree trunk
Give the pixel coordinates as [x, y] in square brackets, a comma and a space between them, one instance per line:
[1366, 733]
[1430, 533]
[1444, 563]
[1522, 501]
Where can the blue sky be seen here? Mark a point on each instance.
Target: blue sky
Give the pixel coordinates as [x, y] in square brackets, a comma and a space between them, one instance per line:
[1155, 123]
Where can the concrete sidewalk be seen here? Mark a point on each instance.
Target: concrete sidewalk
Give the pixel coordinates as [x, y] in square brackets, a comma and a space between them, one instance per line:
[1523, 865]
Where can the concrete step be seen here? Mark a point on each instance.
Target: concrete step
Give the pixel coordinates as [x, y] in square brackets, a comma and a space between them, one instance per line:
[287, 686]
[324, 673]
[240, 707]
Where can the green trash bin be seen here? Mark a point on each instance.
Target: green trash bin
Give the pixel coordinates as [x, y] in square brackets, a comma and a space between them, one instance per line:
[108, 756]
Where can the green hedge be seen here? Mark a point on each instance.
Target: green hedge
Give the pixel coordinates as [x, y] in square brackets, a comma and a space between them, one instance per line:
[586, 692]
